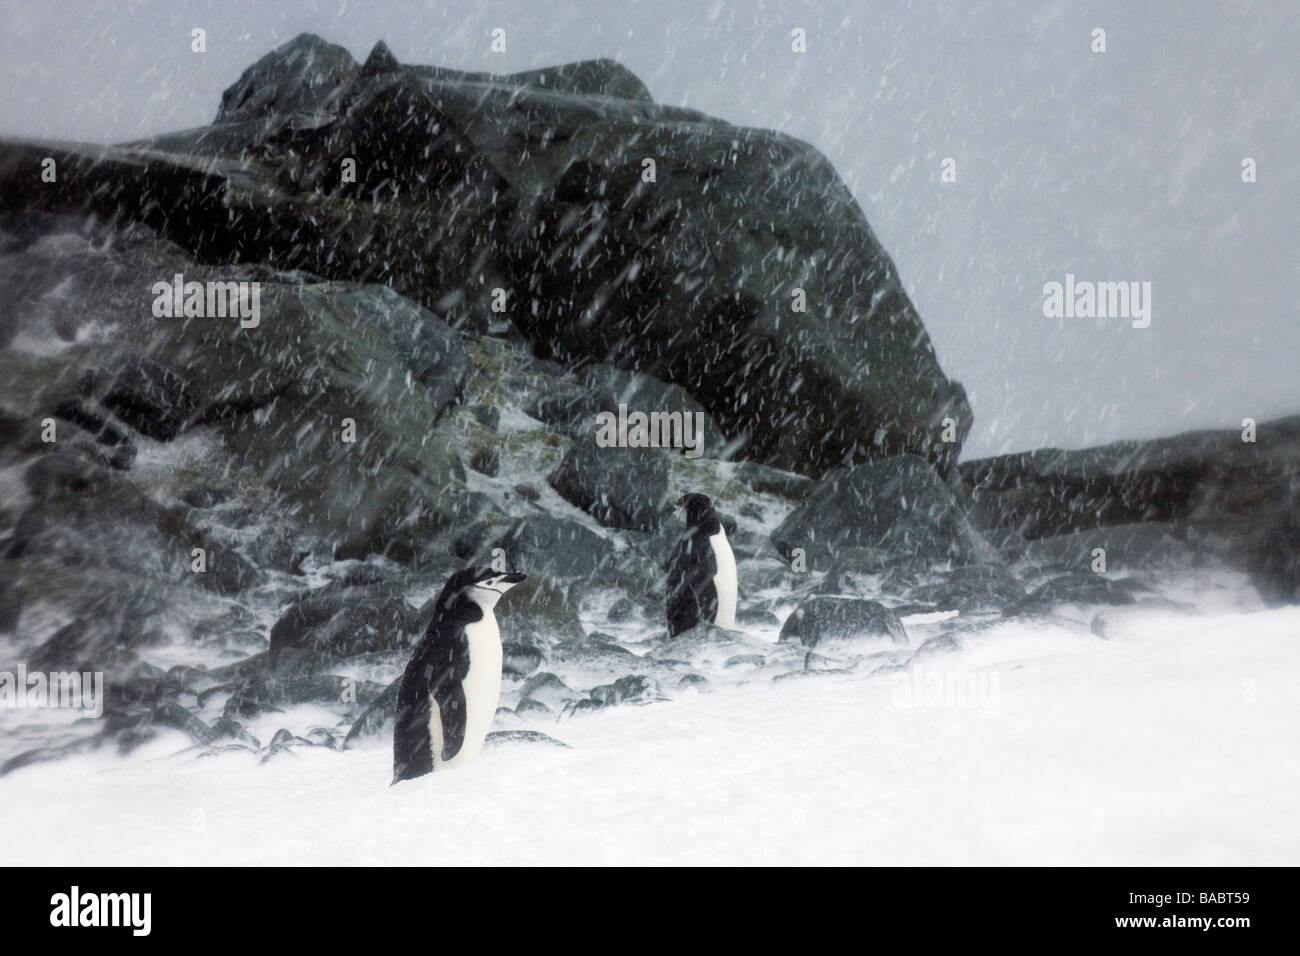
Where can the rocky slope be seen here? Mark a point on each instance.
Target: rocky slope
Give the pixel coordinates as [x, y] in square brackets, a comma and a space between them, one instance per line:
[743, 271]
[241, 524]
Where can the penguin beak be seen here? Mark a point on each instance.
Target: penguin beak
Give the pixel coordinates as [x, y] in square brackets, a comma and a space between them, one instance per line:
[501, 583]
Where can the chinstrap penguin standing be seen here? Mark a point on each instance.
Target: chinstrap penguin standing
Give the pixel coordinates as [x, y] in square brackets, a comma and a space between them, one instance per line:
[449, 692]
[702, 572]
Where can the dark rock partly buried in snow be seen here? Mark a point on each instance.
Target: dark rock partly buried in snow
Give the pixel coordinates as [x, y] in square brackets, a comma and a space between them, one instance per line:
[486, 460]
[636, 688]
[825, 620]
[1081, 588]
[262, 694]
[1273, 559]
[972, 589]
[130, 731]
[499, 738]
[856, 570]
[896, 505]
[224, 569]
[547, 689]
[619, 487]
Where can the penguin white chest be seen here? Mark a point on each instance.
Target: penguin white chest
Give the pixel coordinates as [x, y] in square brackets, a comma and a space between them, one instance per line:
[724, 582]
[482, 688]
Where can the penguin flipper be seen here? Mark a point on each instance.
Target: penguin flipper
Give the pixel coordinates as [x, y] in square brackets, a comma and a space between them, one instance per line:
[453, 714]
[683, 611]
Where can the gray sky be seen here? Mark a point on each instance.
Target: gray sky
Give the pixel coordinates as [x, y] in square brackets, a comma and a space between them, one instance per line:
[1122, 166]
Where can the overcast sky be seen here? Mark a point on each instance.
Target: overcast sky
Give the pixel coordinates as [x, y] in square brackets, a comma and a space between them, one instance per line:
[1122, 166]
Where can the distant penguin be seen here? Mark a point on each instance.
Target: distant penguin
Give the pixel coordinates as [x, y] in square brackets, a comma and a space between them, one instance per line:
[702, 572]
[449, 692]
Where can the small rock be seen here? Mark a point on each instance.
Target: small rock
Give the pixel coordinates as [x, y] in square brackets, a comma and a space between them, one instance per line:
[486, 461]
[547, 689]
[486, 415]
[519, 660]
[822, 619]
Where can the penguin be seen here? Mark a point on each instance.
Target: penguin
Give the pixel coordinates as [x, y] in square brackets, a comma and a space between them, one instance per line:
[702, 570]
[449, 691]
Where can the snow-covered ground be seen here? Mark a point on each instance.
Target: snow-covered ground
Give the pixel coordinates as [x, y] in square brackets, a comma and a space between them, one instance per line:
[1173, 742]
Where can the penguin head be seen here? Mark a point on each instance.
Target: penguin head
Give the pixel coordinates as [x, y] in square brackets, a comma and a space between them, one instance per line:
[483, 586]
[697, 511]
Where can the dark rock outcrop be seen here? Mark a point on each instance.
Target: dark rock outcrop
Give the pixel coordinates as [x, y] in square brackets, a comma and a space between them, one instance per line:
[1176, 500]
[781, 314]
[897, 505]
[1210, 476]
[619, 487]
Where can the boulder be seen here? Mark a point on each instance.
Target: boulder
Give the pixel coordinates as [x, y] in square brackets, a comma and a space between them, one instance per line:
[560, 548]
[783, 316]
[619, 487]
[328, 399]
[263, 694]
[537, 613]
[635, 688]
[823, 619]
[330, 418]
[341, 624]
[898, 506]
[546, 688]
[602, 388]
[973, 589]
